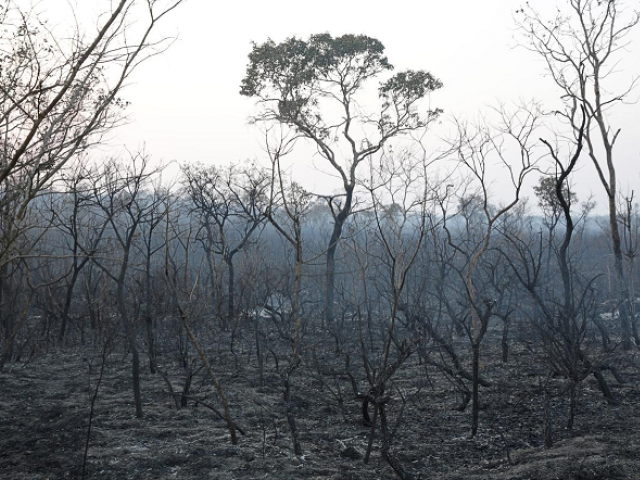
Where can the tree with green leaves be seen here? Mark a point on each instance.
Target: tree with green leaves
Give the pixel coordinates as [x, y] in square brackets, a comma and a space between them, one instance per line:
[313, 88]
[548, 202]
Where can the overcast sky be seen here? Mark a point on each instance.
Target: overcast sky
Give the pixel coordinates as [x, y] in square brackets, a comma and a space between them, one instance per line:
[186, 104]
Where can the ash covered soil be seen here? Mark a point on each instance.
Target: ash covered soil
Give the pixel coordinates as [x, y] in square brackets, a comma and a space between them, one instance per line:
[45, 403]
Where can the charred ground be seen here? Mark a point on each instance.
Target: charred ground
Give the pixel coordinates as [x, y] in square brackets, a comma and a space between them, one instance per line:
[45, 404]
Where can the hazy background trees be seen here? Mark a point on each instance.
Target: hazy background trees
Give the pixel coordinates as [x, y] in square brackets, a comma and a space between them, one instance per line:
[60, 94]
[432, 244]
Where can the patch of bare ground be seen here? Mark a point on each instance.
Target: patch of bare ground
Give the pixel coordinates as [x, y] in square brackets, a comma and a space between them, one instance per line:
[44, 412]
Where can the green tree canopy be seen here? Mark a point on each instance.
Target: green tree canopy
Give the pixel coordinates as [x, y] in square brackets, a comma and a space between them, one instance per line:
[290, 79]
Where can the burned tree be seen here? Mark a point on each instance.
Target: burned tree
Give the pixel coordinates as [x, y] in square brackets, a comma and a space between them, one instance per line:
[231, 203]
[580, 48]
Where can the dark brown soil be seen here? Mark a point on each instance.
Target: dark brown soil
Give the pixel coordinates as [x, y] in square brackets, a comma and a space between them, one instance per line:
[44, 413]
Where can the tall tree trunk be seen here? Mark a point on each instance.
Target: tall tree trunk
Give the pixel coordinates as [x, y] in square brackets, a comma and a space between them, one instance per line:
[616, 243]
[338, 224]
[131, 338]
[148, 317]
[548, 421]
[573, 403]
[151, 341]
[339, 221]
[212, 278]
[297, 286]
[331, 272]
[505, 340]
[475, 404]
[288, 400]
[6, 319]
[67, 304]
[231, 290]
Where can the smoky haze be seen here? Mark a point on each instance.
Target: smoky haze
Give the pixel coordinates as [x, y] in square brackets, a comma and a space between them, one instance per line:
[334, 240]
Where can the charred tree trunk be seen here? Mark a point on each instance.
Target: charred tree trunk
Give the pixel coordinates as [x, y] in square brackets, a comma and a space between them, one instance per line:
[230, 290]
[131, 338]
[291, 419]
[475, 404]
[331, 271]
[67, 304]
[339, 220]
[505, 341]
[548, 424]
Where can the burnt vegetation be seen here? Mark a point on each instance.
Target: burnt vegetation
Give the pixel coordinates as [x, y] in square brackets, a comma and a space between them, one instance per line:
[414, 324]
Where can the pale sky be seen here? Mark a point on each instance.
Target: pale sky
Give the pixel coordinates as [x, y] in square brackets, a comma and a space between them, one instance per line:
[186, 104]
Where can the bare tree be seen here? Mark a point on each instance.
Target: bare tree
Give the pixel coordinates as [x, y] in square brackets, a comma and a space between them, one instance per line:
[121, 199]
[630, 223]
[287, 208]
[477, 148]
[582, 49]
[231, 202]
[150, 244]
[402, 204]
[60, 92]
[82, 231]
[185, 305]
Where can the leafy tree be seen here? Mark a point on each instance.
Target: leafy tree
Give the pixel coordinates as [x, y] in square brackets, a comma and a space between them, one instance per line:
[312, 87]
[548, 200]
